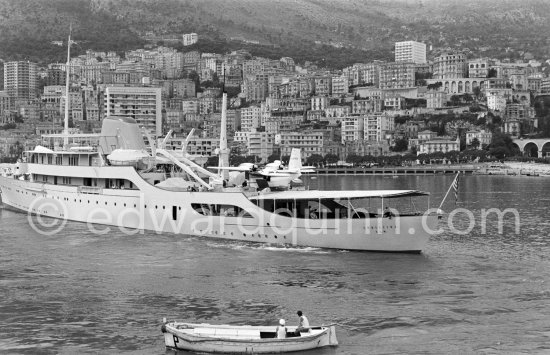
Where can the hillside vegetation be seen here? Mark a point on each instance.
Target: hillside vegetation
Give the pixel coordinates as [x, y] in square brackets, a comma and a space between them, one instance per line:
[314, 30]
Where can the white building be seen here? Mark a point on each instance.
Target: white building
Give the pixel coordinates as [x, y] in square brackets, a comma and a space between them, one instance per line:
[308, 142]
[241, 137]
[377, 126]
[496, 101]
[440, 144]
[190, 38]
[144, 104]
[352, 128]
[410, 51]
[250, 118]
[319, 103]
[337, 111]
[340, 85]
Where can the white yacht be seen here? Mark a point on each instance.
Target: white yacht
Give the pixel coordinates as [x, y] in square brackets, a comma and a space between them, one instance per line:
[113, 179]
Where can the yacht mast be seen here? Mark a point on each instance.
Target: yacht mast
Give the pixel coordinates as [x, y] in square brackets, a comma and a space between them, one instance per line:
[68, 74]
[223, 160]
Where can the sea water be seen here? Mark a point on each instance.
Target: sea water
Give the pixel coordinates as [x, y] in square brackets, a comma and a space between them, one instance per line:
[474, 290]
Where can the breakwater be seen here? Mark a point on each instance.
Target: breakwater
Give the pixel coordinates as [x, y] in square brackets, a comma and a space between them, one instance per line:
[399, 170]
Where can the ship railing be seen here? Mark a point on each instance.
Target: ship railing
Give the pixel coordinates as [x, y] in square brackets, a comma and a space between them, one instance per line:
[90, 190]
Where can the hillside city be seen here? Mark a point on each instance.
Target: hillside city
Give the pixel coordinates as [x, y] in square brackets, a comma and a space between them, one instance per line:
[449, 107]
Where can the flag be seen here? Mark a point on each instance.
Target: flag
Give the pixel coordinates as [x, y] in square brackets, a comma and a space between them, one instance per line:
[455, 187]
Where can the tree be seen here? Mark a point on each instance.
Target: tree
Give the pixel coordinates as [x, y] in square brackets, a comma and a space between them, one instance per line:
[354, 159]
[314, 159]
[401, 145]
[502, 146]
[455, 100]
[331, 158]
[474, 144]
[435, 86]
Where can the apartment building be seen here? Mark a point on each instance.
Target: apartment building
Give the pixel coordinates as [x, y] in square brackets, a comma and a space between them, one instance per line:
[495, 100]
[340, 85]
[261, 144]
[319, 103]
[255, 87]
[337, 111]
[20, 79]
[377, 126]
[449, 66]
[359, 107]
[397, 75]
[143, 104]
[250, 118]
[323, 85]
[308, 142]
[410, 51]
[435, 99]
[363, 74]
[190, 38]
[352, 128]
[478, 68]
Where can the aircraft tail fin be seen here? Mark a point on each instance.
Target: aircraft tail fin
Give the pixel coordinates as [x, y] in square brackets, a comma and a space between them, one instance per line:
[295, 163]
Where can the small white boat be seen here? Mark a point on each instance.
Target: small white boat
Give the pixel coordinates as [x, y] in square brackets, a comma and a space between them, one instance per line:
[245, 339]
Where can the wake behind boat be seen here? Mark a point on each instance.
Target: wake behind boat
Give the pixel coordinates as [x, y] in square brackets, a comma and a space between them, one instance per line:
[246, 339]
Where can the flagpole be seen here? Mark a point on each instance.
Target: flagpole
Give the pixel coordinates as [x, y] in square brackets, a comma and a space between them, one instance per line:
[449, 190]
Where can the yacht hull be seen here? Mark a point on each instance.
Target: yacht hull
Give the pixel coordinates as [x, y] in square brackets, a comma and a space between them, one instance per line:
[162, 211]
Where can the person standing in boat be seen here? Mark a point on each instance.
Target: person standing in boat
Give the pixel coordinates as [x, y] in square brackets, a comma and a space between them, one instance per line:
[281, 330]
[303, 325]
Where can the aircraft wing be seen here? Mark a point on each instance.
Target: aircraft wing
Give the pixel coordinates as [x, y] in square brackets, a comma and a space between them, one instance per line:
[230, 168]
[278, 173]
